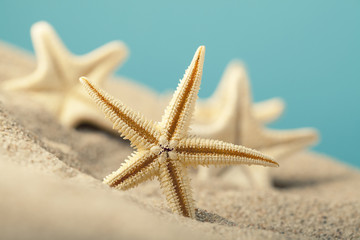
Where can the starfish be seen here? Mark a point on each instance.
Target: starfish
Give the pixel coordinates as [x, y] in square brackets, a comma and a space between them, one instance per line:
[213, 115]
[238, 122]
[54, 81]
[164, 149]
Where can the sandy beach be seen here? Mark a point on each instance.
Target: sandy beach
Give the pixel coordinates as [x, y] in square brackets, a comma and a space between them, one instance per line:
[51, 187]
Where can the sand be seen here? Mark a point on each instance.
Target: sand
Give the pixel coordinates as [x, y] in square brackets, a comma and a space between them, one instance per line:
[50, 187]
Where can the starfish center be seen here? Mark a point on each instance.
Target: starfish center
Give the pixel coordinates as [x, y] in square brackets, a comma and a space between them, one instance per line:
[167, 151]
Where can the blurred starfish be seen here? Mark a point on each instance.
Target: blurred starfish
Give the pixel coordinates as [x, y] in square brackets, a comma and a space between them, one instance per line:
[216, 116]
[232, 118]
[54, 82]
[165, 149]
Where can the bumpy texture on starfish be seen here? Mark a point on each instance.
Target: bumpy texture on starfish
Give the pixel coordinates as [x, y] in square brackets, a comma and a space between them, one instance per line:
[54, 82]
[239, 123]
[164, 149]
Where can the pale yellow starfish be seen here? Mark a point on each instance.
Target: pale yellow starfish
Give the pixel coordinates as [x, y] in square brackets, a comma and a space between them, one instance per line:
[234, 120]
[216, 116]
[54, 81]
[165, 149]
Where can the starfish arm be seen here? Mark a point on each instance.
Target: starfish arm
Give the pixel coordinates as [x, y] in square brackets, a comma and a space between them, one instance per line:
[42, 32]
[225, 97]
[200, 151]
[132, 125]
[55, 55]
[56, 66]
[77, 108]
[97, 64]
[140, 167]
[176, 119]
[217, 116]
[268, 110]
[176, 186]
[286, 142]
[31, 82]
[236, 77]
[102, 61]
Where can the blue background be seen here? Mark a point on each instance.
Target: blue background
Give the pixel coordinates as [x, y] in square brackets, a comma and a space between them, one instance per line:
[307, 52]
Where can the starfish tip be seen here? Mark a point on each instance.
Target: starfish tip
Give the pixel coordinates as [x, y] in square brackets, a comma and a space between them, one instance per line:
[237, 63]
[83, 79]
[201, 51]
[41, 27]
[120, 48]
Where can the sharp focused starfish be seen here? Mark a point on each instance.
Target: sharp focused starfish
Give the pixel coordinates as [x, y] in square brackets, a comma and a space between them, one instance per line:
[54, 81]
[237, 122]
[165, 149]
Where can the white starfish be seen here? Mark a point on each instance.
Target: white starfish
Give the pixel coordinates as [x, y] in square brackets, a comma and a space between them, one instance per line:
[233, 118]
[55, 83]
[217, 115]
